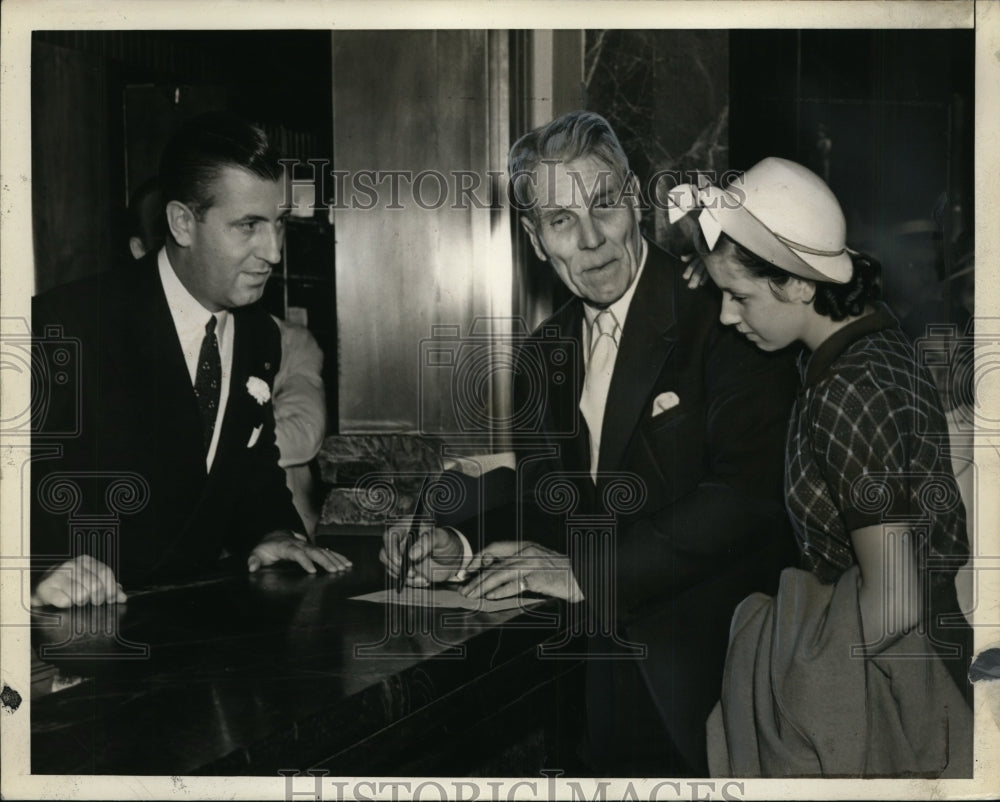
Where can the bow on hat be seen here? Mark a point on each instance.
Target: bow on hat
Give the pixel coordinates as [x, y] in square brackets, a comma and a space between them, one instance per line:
[686, 198]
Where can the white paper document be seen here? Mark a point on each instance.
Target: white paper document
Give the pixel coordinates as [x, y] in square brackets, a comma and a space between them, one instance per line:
[446, 598]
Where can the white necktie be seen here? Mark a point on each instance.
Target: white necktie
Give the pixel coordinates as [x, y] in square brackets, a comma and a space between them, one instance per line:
[603, 351]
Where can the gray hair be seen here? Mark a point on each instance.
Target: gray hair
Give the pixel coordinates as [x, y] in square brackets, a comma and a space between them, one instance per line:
[571, 136]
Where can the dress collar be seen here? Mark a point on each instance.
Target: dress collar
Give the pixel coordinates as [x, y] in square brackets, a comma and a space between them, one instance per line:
[813, 367]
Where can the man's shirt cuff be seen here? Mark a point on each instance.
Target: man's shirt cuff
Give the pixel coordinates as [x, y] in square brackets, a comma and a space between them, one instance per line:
[460, 575]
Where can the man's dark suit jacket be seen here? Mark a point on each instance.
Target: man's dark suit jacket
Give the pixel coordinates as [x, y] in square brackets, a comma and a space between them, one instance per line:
[712, 527]
[129, 434]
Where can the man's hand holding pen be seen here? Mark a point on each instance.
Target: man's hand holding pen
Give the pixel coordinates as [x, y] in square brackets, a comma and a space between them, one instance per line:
[502, 569]
[435, 554]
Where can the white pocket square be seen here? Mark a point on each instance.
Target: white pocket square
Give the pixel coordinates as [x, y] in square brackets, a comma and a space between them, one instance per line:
[663, 402]
[254, 435]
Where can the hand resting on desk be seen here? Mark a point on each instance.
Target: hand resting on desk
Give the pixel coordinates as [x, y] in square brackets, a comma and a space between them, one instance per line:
[82, 580]
[284, 545]
[509, 567]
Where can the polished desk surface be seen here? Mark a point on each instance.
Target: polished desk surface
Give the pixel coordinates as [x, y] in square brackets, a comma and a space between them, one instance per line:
[279, 670]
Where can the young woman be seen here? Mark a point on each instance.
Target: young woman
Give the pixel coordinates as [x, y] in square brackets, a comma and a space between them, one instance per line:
[871, 495]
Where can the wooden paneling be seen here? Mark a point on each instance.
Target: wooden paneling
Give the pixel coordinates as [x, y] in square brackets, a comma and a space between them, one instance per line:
[160, 52]
[105, 102]
[152, 114]
[71, 161]
[414, 101]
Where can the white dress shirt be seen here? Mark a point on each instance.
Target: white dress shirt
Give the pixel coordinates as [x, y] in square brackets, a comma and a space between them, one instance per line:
[190, 318]
[619, 310]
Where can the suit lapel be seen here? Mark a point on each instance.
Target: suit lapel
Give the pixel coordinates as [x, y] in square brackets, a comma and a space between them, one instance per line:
[647, 340]
[564, 396]
[158, 363]
[243, 413]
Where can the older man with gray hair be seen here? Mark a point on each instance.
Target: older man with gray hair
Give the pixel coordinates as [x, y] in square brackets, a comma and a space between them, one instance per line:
[690, 413]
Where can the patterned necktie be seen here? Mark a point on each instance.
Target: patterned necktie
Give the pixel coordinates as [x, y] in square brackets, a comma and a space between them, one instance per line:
[208, 381]
[603, 351]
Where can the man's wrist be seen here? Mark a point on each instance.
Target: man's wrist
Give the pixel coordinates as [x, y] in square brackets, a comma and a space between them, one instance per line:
[283, 534]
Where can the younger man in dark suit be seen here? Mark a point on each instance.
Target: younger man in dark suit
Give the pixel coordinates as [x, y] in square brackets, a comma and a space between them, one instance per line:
[173, 461]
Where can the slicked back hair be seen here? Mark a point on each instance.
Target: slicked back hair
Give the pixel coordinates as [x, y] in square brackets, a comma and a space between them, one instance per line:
[202, 147]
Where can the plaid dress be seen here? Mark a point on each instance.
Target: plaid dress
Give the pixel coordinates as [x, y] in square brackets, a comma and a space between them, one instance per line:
[867, 445]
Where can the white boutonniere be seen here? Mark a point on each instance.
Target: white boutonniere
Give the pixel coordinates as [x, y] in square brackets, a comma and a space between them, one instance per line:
[259, 390]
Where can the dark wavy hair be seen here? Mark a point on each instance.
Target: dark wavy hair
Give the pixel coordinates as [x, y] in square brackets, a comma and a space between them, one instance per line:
[835, 301]
[204, 145]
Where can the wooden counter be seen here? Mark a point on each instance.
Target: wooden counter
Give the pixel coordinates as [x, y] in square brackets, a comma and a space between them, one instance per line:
[256, 673]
